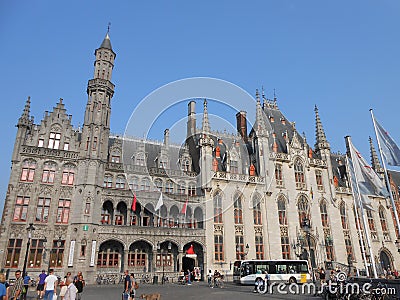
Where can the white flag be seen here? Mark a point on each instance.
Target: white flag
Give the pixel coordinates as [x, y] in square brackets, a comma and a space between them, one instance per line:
[367, 179]
[160, 202]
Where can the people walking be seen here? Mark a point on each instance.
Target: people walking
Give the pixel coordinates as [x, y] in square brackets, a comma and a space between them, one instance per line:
[127, 285]
[189, 277]
[209, 278]
[16, 289]
[50, 285]
[134, 286]
[40, 286]
[71, 291]
[3, 289]
[79, 283]
[27, 280]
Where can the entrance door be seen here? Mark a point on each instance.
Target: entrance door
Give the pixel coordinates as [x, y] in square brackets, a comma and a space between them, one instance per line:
[188, 263]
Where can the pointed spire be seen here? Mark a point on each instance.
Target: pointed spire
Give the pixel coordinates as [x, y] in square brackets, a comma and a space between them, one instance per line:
[376, 165]
[260, 125]
[107, 42]
[320, 138]
[27, 109]
[205, 125]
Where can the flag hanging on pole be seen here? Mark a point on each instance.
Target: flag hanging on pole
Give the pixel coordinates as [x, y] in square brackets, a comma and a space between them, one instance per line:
[389, 148]
[184, 207]
[369, 182]
[134, 201]
[366, 202]
[160, 202]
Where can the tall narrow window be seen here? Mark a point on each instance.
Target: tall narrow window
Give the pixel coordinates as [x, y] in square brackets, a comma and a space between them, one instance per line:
[278, 175]
[28, 170]
[349, 247]
[159, 184]
[239, 241]
[237, 210]
[192, 189]
[304, 210]
[343, 216]
[186, 165]
[285, 247]
[21, 208]
[134, 183]
[257, 216]
[54, 140]
[382, 219]
[282, 212]
[218, 248]
[57, 254]
[318, 178]
[68, 175]
[94, 143]
[140, 159]
[371, 224]
[13, 253]
[49, 172]
[324, 214]
[299, 174]
[63, 211]
[42, 210]
[182, 188]
[259, 247]
[217, 208]
[36, 253]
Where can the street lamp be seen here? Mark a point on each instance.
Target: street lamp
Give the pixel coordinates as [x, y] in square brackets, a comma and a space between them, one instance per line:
[307, 228]
[56, 254]
[162, 254]
[297, 247]
[28, 244]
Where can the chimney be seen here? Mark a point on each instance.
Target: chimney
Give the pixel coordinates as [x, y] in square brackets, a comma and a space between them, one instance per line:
[241, 124]
[191, 122]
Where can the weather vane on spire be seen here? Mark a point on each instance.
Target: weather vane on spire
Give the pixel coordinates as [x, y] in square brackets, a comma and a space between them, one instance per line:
[108, 27]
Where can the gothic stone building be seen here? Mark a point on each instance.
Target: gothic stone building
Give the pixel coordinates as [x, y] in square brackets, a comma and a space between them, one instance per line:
[226, 196]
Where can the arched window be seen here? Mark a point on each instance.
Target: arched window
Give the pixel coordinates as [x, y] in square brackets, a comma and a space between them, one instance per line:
[108, 181]
[145, 186]
[169, 187]
[49, 172]
[181, 188]
[120, 182]
[278, 175]
[343, 216]
[134, 183]
[257, 216]
[382, 219]
[217, 208]
[371, 224]
[185, 165]
[282, 212]
[234, 168]
[318, 178]
[304, 210]
[324, 214]
[299, 174]
[28, 170]
[159, 184]
[237, 210]
[68, 175]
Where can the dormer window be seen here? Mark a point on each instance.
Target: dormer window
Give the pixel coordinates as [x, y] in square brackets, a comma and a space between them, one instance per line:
[66, 146]
[41, 143]
[54, 140]
[162, 164]
[186, 165]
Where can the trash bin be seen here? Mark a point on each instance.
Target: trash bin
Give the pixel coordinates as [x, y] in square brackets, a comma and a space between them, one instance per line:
[155, 279]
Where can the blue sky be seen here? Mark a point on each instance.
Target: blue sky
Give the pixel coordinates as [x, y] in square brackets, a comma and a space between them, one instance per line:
[342, 56]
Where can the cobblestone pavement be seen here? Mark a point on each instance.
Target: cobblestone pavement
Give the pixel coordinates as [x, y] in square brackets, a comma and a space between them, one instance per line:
[198, 290]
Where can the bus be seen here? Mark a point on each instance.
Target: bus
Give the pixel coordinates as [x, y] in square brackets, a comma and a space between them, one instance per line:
[247, 272]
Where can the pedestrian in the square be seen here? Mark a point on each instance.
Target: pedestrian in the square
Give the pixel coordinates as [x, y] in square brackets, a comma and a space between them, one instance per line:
[79, 283]
[16, 289]
[40, 286]
[50, 285]
[71, 291]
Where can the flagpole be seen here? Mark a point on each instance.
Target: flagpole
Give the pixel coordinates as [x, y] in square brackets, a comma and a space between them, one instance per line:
[366, 228]
[396, 216]
[360, 233]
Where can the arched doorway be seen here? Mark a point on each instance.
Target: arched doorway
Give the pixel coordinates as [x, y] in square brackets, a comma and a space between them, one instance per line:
[193, 259]
[385, 260]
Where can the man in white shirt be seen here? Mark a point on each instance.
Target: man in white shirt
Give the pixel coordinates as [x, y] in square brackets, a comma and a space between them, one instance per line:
[50, 285]
[71, 292]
